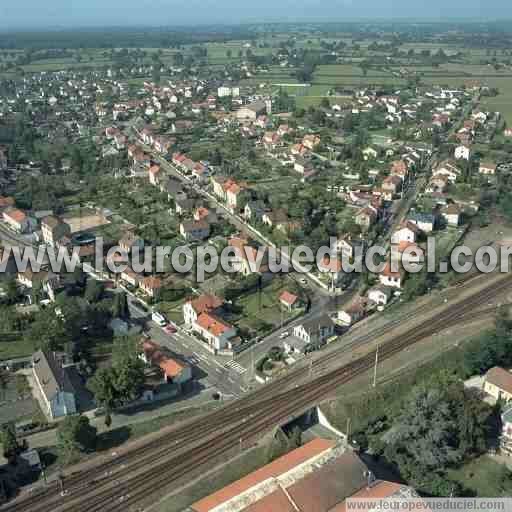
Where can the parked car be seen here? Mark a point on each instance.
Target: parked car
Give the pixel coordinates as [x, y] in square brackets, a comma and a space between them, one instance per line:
[170, 329]
[159, 319]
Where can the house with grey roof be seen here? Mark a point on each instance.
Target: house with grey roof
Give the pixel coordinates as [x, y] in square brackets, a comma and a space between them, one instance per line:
[316, 330]
[54, 385]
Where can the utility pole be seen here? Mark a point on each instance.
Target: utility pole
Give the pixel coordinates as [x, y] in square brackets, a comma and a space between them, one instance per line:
[61, 483]
[375, 368]
[348, 429]
[252, 366]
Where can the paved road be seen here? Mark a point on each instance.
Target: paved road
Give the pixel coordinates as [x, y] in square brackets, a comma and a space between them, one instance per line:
[212, 372]
[234, 219]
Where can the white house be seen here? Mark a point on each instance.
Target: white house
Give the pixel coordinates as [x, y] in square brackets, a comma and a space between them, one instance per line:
[462, 152]
[424, 221]
[17, 220]
[487, 168]
[451, 213]
[216, 332]
[349, 316]
[380, 295]
[225, 91]
[408, 232]
[202, 304]
[316, 330]
[54, 385]
[130, 277]
[448, 169]
[498, 384]
[393, 279]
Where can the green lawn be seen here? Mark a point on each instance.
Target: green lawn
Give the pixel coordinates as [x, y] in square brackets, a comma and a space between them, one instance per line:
[485, 477]
[265, 309]
[335, 70]
[172, 310]
[17, 348]
[501, 103]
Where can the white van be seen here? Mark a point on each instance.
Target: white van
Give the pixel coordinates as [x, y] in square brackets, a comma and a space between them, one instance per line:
[159, 319]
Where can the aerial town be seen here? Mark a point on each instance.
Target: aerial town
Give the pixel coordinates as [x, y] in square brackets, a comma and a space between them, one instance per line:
[191, 388]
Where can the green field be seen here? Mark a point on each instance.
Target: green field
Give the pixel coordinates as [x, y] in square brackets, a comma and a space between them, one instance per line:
[485, 477]
[337, 70]
[18, 348]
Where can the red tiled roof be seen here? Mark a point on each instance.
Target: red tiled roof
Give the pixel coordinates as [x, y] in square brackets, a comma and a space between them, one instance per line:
[402, 246]
[213, 324]
[331, 264]
[16, 215]
[206, 303]
[388, 273]
[411, 226]
[169, 366]
[152, 283]
[501, 378]
[379, 490]
[243, 250]
[274, 469]
[288, 298]
[276, 501]
[201, 213]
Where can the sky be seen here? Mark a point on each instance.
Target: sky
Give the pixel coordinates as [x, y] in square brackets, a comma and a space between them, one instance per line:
[43, 14]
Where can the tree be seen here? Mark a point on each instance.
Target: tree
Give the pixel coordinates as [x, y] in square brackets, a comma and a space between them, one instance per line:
[108, 417]
[75, 435]
[11, 291]
[439, 426]
[129, 379]
[22, 386]
[178, 59]
[94, 291]
[78, 277]
[295, 440]
[102, 386]
[47, 331]
[123, 382]
[9, 442]
[278, 446]
[74, 315]
[120, 306]
[156, 74]
[4, 381]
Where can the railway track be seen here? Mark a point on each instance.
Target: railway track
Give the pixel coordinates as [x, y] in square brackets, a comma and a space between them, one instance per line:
[138, 488]
[222, 430]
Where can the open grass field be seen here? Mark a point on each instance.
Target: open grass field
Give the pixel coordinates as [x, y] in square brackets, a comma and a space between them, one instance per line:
[501, 103]
[18, 348]
[351, 70]
[266, 308]
[484, 476]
